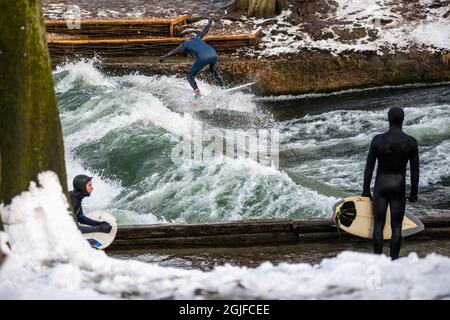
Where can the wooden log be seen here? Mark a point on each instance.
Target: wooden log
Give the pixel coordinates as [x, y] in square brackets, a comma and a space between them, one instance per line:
[313, 226]
[221, 240]
[247, 227]
[435, 221]
[325, 225]
[254, 232]
[194, 230]
[431, 233]
[426, 235]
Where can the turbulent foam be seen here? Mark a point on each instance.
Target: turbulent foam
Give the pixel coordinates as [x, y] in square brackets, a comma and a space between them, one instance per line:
[177, 94]
[437, 164]
[49, 259]
[80, 73]
[111, 112]
[350, 126]
[136, 122]
[177, 193]
[226, 190]
[335, 132]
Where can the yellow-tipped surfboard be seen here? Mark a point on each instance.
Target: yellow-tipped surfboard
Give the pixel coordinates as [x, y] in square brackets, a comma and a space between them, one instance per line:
[355, 216]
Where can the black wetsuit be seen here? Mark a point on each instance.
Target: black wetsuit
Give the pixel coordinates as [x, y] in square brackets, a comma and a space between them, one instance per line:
[76, 196]
[205, 56]
[393, 150]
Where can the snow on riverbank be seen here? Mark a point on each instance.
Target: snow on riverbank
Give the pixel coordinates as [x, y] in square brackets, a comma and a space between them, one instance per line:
[50, 259]
[337, 26]
[372, 25]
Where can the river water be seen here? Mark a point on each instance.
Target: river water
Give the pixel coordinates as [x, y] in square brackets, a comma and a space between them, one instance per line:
[123, 130]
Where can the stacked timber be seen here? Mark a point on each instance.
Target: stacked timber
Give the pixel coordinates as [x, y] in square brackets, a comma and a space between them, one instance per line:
[139, 47]
[130, 37]
[95, 29]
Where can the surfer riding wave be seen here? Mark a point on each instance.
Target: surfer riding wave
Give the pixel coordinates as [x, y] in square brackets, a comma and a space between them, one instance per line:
[205, 56]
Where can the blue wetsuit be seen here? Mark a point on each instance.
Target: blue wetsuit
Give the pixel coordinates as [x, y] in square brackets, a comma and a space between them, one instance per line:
[205, 56]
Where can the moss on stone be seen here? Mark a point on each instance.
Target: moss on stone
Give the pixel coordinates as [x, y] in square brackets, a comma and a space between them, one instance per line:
[339, 62]
[395, 73]
[31, 138]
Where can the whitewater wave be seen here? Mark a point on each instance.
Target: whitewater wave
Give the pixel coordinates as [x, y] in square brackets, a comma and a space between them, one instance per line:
[123, 130]
[226, 190]
[342, 139]
[136, 120]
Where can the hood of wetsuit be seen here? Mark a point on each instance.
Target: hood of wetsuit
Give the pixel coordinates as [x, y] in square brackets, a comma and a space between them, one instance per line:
[396, 116]
[79, 184]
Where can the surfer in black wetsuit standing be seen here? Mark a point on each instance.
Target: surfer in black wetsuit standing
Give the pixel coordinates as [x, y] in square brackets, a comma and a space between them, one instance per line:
[393, 149]
[205, 56]
[82, 187]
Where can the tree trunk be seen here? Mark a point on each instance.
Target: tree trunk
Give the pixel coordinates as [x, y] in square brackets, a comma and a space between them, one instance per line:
[261, 8]
[30, 128]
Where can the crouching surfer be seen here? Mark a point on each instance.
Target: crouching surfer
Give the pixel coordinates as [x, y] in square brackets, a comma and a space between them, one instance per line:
[82, 187]
[393, 150]
[205, 56]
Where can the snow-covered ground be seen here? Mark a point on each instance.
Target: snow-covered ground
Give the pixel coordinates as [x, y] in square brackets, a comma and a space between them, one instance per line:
[335, 25]
[369, 25]
[50, 259]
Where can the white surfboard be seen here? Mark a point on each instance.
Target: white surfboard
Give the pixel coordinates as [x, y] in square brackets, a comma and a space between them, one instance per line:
[355, 216]
[240, 87]
[103, 239]
[198, 101]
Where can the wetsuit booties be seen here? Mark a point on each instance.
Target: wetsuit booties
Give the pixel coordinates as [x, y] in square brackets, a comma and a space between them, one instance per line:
[393, 150]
